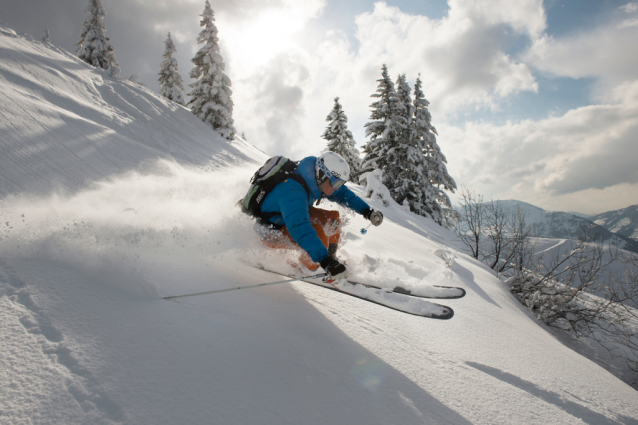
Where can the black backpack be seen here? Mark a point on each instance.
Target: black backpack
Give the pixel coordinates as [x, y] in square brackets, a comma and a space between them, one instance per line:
[273, 172]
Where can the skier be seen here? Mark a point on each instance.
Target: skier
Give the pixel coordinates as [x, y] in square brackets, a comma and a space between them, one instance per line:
[295, 223]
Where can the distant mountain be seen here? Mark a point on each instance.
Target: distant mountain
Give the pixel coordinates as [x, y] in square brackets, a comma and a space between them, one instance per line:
[622, 222]
[562, 225]
[578, 214]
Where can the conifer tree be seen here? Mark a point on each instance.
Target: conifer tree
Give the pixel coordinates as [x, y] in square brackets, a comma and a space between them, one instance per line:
[170, 81]
[384, 131]
[435, 161]
[46, 38]
[340, 139]
[94, 47]
[211, 93]
[406, 109]
[411, 184]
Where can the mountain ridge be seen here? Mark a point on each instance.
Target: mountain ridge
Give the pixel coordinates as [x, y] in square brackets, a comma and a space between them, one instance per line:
[564, 225]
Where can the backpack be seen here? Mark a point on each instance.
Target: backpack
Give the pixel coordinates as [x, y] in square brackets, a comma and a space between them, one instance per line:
[274, 171]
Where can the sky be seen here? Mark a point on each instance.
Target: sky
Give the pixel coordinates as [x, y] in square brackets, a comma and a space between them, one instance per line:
[532, 100]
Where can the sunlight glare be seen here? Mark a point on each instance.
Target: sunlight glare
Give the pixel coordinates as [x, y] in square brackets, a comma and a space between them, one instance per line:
[257, 41]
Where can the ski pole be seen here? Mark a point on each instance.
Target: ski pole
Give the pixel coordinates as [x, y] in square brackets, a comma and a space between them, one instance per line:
[364, 231]
[246, 287]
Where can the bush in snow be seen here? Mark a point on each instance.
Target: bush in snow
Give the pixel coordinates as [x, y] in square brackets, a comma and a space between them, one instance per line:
[340, 139]
[94, 47]
[46, 38]
[170, 81]
[375, 187]
[211, 93]
[622, 338]
[576, 292]
[571, 289]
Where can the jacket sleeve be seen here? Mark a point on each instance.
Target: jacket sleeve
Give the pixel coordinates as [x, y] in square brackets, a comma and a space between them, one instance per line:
[347, 198]
[293, 205]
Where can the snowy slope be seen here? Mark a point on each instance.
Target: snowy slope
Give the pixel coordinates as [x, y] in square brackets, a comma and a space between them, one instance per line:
[623, 222]
[66, 124]
[86, 338]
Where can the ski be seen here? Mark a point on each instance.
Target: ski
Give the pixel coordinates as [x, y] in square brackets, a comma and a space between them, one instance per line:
[433, 291]
[394, 300]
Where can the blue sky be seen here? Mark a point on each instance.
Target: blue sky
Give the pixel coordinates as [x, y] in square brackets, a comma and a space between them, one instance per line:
[533, 100]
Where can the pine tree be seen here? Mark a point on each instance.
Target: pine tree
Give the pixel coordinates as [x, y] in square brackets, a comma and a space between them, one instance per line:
[384, 132]
[435, 161]
[46, 38]
[211, 100]
[170, 81]
[411, 185]
[340, 139]
[94, 47]
[406, 109]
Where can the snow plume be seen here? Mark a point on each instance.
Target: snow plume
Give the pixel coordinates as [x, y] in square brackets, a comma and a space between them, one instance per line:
[134, 227]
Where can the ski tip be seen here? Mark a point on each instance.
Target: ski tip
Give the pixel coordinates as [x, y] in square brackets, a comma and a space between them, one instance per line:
[461, 291]
[446, 314]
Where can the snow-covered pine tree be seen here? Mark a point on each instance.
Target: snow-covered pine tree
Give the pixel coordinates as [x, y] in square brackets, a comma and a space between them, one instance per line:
[340, 140]
[439, 178]
[170, 81]
[384, 131]
[94, 47]
[211, 93]
[411, 184]
[46, 38]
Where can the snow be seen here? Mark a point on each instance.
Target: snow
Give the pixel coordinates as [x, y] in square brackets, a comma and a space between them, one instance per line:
[114, 197]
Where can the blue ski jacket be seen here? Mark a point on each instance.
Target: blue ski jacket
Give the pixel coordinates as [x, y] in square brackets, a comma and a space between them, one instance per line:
[292, 202]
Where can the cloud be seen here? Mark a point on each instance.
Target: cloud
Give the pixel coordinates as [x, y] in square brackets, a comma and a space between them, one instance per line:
[602, 52]
[629, 7]
[589, 148]
[462, 58]
[273, 102]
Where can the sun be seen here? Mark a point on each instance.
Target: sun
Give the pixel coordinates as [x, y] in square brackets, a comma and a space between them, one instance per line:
[253, 43]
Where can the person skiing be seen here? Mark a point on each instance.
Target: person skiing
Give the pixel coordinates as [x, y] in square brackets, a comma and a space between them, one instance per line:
[294, 221]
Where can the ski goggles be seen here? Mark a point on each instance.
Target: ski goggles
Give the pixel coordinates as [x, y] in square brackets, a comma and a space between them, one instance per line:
[335, 182]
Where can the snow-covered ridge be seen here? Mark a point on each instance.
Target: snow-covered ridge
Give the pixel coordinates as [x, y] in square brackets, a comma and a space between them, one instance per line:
[65, 124]
[562, 225]
[86, 338]
[623, 222]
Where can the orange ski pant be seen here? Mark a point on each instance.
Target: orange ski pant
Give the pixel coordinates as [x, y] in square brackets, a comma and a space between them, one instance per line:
[325, 223]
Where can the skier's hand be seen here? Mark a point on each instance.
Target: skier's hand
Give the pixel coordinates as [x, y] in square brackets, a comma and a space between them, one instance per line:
[375, 217]
[335, 269]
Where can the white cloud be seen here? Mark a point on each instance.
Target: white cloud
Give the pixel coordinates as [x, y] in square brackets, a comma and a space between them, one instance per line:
[524, 16]
[629, 7]
[461, 58]
[603, 52]
[628, 23]
[585, 151]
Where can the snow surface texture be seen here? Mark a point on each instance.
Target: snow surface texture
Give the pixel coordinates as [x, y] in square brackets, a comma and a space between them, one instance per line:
[86, 338]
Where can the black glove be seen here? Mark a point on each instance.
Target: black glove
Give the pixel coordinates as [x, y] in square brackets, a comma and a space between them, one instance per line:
[335, 269]
[375, 217]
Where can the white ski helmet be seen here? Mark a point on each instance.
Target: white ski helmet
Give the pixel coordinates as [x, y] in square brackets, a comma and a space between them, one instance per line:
[331, 165]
